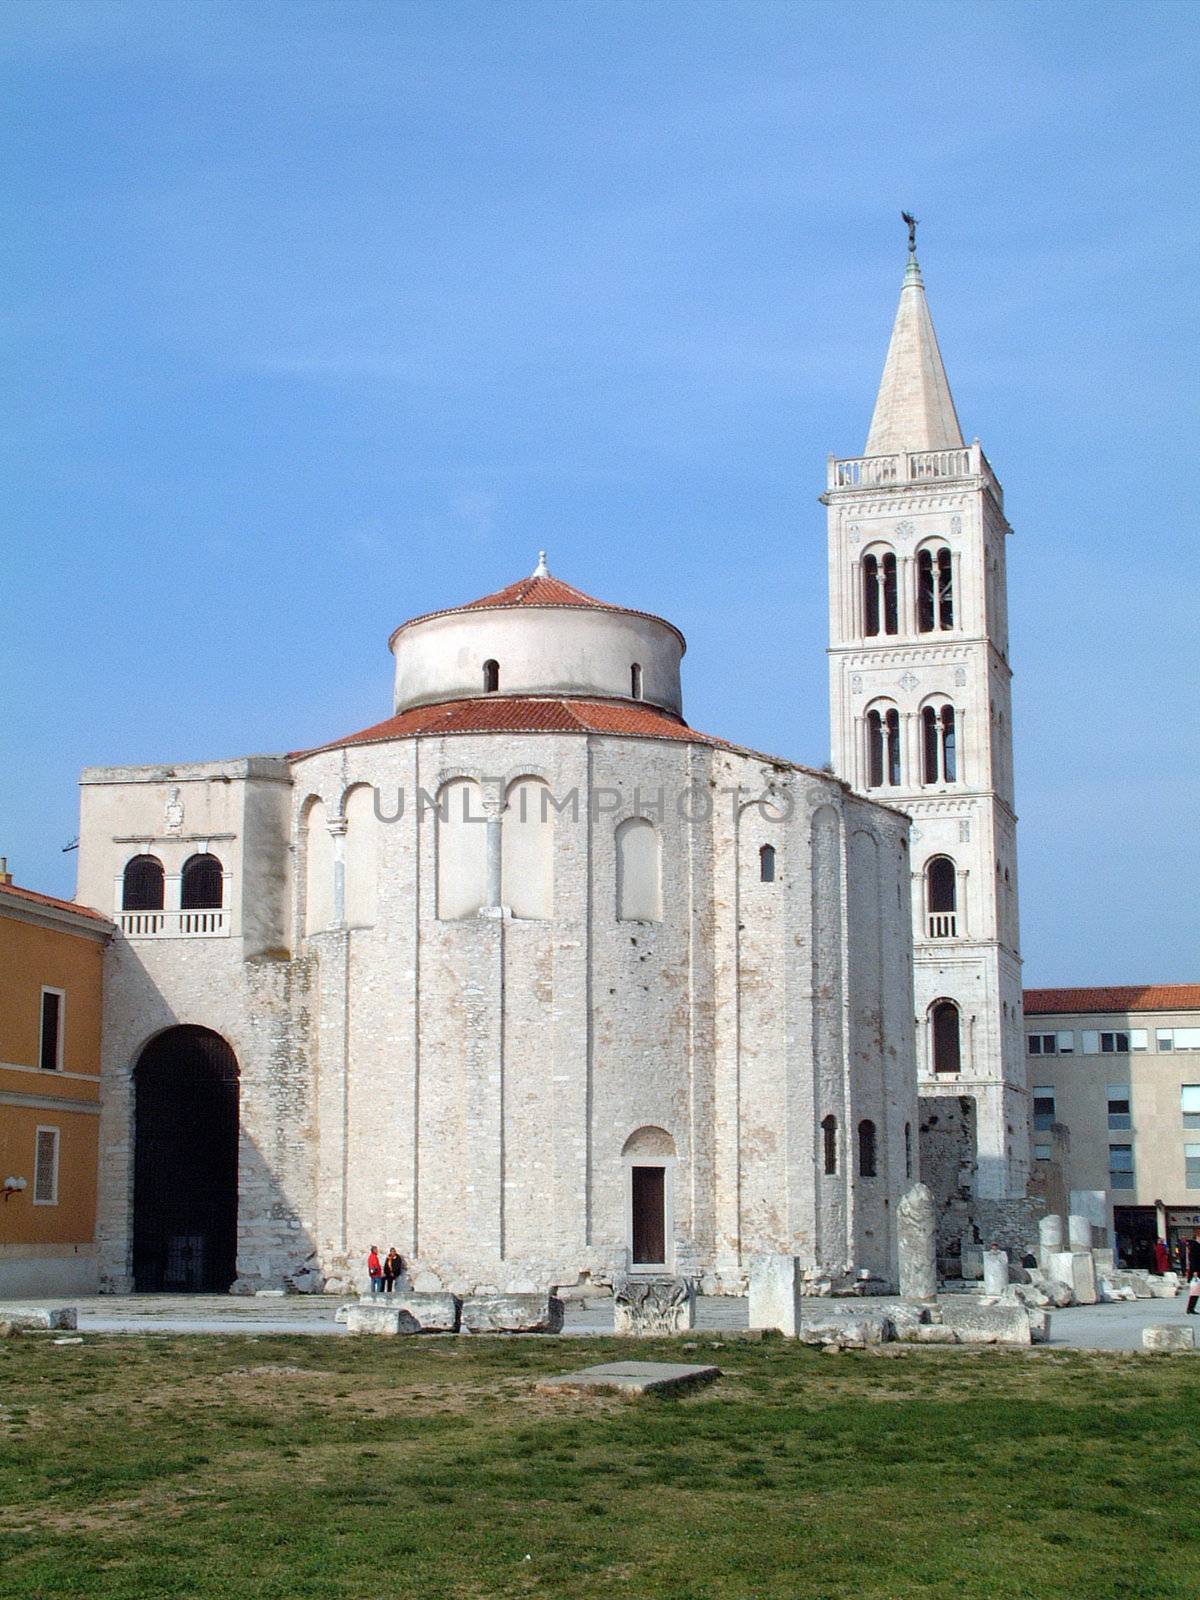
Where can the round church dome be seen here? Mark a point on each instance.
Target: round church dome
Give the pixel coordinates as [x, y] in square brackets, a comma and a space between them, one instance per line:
[539, 636]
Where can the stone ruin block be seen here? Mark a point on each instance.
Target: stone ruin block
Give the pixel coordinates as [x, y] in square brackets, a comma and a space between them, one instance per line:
[1076, 1269]
[996, 1324]
[855, 1329]
[34, 1318]
[376, 1316]
[512, 1313]
[1170, 1336]
[643, 1306]
[434, 1313]
[775, 1286]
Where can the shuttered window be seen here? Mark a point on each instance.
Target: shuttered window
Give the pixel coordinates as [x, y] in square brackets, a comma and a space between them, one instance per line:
[45, 1168]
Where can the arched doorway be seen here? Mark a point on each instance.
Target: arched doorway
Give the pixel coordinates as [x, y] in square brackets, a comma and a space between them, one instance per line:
[185, 1164]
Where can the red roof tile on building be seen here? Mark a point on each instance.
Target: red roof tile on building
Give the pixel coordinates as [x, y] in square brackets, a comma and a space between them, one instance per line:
[540, 590]
[32, 897]
[527, 714]
[1127, 997]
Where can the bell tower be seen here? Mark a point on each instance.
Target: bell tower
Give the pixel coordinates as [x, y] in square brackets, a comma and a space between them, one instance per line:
[920, 711]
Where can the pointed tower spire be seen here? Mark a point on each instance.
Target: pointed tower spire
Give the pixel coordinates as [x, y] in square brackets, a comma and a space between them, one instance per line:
[914, 409]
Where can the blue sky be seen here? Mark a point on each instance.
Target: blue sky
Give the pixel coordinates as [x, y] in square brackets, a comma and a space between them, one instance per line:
[323, 315]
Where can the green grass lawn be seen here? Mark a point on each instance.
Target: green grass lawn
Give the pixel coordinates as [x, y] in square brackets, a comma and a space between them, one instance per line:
[266, 1467]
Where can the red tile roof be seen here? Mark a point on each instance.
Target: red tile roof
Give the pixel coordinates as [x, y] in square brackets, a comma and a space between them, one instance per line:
[1128, 997]
[34, 898]
[538, 591]
[526, 714]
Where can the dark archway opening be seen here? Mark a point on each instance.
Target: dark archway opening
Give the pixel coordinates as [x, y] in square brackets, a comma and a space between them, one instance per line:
[185, 1166]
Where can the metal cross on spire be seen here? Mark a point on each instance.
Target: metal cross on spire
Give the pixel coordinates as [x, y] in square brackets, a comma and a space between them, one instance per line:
[912, 231]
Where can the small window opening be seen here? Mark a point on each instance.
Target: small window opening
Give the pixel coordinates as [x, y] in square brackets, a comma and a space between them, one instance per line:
[891, 606]
[866, 1149]
[635, 681]
[491, 677]
[202, 884]
[947, 1050]
[766, 863]
[51, 1041]
[941, 887]
[829, 1142]
[870, 580]
[945, 585]
[925, 591]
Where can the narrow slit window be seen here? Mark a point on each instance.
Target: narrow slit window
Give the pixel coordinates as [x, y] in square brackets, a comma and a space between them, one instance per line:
[50, 1053]
[866, 1149]
[947, 1046]
[874, 750]
[491, 677]
[635, 681]
[925, 591]
[870, 583]
[945, 589]
[45, 1167]
[766, 864]
[893, 748]
[829, 1144]
[891, 602]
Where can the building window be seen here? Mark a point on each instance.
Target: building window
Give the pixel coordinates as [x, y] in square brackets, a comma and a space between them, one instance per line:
[1138, 1039]
[1113, 1043]
[1120, 1166]
[1191, 1166]
[639, 871]
[142, 889]
[1043, 1108]
[941, 889]
[829, 1144]
[1050, 1044]
[50, 1044]
[935, 590]
[1118, 1106]
[635, 681]
[891, 598]
[908, 1168]
[1189, 1097]
[947, 1048]
[766, 863]
[1186, 1038]
[866, 1149]
[939, 745]
[1164, 1039]
[202, 884]
[1041, 1152]
[45, 1167]
[491, 677]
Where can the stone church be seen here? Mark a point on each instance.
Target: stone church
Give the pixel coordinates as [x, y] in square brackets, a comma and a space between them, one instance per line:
[540, 984]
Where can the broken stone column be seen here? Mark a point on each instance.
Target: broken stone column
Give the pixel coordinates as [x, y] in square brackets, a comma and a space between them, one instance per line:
[1076, 1269]
[995, 1271]
[775, 1293]
[1079, 1232]
[916, 1232]
[644, 1306]
[1050, 1240]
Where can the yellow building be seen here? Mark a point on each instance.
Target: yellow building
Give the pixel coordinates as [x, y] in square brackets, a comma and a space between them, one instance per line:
[51, 957]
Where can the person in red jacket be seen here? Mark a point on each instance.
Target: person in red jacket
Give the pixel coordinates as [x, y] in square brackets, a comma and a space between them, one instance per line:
[1162, 1257]
[375, 1270]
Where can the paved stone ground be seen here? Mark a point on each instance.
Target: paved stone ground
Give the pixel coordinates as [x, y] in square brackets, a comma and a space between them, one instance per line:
[1107, 1327]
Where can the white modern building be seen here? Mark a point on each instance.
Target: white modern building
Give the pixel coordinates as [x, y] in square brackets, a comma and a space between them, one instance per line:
[531, 980]
[921, 719]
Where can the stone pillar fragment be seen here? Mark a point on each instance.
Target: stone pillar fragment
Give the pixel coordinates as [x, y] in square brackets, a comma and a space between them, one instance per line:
[1076, 1269]
[916, 1229]
[995, 1271]
[775, 1293]
[1079, 1232]
[653, 1305]
[1050, 1240]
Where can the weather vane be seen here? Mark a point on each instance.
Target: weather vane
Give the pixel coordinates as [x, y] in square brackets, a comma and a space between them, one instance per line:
[912, 231]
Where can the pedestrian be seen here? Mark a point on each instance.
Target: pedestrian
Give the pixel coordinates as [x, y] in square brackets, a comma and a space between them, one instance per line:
[1191, 1256]
[393, 1266]
[1193, 1294]
[375, 1270]
[1162, 1257]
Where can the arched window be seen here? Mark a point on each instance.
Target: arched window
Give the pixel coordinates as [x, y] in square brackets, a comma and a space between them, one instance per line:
[883, 749]
[870, 595]
[908, 1166]
[939, 745]
[635, 681]
[318, 868]
[527, 849]
[935, 590]
[947, 1049]
[866, 1149]
[639, 871]
[491, 677]
[941, 897]
[142, 889]
[891, 599]
[766, 863]
[201, 885]
[461, 849]
[829, 1144]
